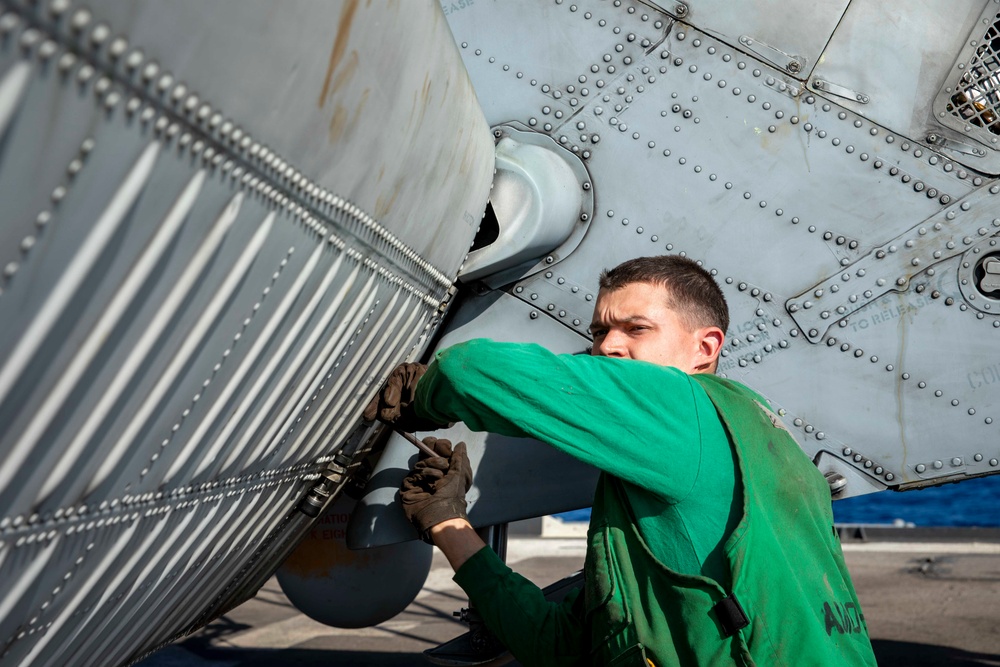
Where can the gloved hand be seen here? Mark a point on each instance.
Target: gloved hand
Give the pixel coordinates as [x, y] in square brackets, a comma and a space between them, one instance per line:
[435, 490]
[393, 404]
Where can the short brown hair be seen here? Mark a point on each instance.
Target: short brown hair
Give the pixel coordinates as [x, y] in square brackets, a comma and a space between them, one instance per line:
[691, 290]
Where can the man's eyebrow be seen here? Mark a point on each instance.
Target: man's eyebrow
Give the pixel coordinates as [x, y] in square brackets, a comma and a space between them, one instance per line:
[629, 319]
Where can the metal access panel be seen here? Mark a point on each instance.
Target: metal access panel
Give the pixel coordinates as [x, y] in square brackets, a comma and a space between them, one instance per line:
[969, 101]
[889, 61]
[219, 231]
[857, 262]
[788, 36]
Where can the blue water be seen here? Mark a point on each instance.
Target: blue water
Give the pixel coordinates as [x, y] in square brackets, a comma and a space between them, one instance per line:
[974, 502]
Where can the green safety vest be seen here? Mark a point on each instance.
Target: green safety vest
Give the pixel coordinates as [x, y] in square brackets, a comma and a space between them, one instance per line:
[794, 601]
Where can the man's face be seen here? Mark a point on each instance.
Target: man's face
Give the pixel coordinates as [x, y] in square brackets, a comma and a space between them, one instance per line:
[635, 322]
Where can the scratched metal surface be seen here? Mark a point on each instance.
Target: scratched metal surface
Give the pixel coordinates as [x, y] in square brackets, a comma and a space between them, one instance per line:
[221, 224]
[848, 244]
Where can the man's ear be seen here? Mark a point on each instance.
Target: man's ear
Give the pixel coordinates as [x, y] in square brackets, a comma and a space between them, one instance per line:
[710, 340]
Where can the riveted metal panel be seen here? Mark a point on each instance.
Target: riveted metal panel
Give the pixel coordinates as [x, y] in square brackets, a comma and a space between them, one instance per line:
[789, 36]
[786, 195]
[896, 58]
[304, 103]
[968, 102]
[377, 519]
[222, 226]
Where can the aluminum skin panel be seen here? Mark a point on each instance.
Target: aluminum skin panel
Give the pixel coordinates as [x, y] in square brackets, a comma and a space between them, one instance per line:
[222, 226]
[310, 98]
[789, 36]
[495, 497]
[694, 146]
[899, 57]
[968, 101]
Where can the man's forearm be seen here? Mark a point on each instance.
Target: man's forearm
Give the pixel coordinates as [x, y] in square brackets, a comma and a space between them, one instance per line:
[457, 540]
[537, 632]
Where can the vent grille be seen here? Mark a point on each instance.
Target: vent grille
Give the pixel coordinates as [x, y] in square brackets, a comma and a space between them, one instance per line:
[976, 100]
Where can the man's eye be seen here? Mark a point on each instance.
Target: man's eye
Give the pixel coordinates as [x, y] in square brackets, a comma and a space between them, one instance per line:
[598, 333]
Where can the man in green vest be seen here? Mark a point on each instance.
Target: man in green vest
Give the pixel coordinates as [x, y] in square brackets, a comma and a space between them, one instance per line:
[711, 539]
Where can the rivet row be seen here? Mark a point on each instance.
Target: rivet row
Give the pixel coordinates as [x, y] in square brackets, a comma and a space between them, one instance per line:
[136, 84]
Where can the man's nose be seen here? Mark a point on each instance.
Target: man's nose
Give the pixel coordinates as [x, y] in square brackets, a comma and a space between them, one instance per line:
[612, 345]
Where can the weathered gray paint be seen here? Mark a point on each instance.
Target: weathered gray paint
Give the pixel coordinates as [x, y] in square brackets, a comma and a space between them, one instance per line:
[222, 224]
[203, 277]
[697, 142]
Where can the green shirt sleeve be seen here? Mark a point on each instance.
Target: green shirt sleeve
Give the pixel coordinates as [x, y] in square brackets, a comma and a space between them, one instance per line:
[536, 631]
[630, 418]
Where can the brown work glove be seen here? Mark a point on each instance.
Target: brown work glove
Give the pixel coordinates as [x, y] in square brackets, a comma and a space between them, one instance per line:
[393, 404]
[434, 491]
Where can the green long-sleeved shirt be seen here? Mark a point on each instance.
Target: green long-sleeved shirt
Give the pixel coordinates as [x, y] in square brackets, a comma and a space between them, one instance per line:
[674, 463]
[650, 426]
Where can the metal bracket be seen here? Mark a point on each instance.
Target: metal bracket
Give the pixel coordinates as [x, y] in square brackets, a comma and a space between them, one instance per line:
[891, 266]
[840, 91]
[447, 300]
[955, 146]
[783, 87]
[327, 488]
[836, 481]
[786, 61]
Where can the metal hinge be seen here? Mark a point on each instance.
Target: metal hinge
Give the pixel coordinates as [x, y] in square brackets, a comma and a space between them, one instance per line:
[840, 91]
[786, 61]
[955, 146]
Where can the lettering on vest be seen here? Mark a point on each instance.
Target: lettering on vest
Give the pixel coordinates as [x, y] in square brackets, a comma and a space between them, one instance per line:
[845, 618]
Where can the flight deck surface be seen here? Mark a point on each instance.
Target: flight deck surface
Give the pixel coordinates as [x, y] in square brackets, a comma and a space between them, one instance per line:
[930, 597]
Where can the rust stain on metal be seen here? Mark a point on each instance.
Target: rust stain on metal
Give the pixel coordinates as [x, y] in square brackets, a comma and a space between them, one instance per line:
[384, 205]
[341, 122]
[425, 93]
[468, 155]
[322, 552]
[339, 46]
[346, 72]
[447, 87]
[338, 123]
[361, 106]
